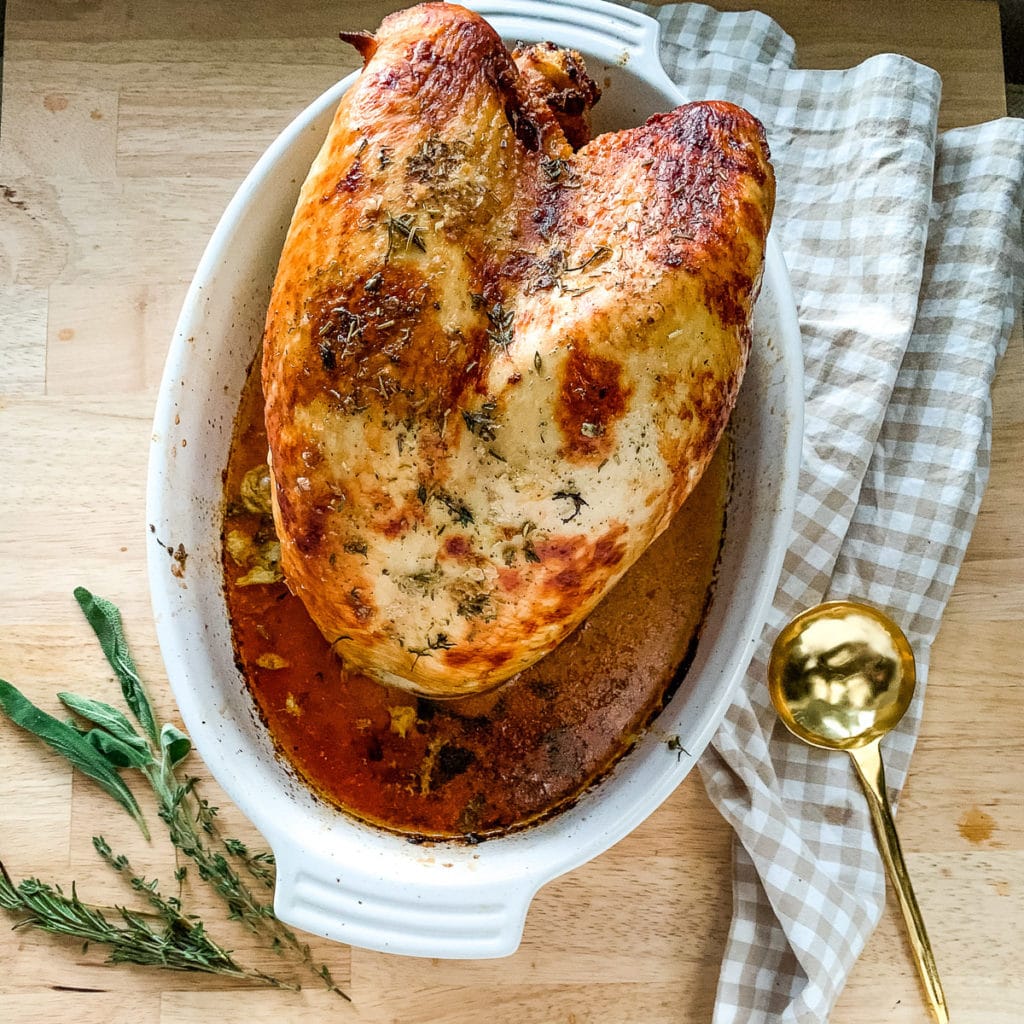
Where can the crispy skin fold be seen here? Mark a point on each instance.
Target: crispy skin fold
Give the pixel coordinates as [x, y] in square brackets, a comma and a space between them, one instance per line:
[495, 367]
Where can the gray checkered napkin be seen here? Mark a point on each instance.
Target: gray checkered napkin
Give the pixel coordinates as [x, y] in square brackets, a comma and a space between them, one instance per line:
[904, 250]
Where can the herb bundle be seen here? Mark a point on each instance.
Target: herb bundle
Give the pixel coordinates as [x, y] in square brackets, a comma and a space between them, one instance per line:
[101, 742]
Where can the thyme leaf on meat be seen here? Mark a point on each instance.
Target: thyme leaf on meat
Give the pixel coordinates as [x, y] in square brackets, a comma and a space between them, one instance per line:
[460, 512]
[482, 423]
[599, 255]
[500, 331]
[403, 226]
[474, 606]
[526, 532]
[423, 583]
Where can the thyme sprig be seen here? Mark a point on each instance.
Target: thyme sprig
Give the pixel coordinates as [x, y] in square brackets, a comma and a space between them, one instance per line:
[501, 319]
[109, 744]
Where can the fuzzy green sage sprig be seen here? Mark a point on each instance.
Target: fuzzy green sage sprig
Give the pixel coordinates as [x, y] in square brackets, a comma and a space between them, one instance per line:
[102, 742]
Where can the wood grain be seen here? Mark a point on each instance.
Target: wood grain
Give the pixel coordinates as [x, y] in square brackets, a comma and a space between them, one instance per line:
[126, 128]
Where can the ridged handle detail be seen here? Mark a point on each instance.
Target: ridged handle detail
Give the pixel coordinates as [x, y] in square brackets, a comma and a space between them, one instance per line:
[448, 915]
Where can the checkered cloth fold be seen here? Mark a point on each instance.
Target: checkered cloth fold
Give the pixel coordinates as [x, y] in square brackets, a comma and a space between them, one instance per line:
[904, 249]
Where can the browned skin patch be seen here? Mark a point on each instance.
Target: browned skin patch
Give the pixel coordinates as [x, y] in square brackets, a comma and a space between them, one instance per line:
[574, 566]
[571, 570]
[592, 396]
[55, 102]
[380, 346]
[458, 547]
[696, 165]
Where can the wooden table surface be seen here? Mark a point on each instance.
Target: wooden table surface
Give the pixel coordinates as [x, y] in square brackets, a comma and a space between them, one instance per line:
[126, 126]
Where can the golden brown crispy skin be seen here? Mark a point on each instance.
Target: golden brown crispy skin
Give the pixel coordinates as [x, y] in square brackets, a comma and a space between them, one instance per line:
[495, 368]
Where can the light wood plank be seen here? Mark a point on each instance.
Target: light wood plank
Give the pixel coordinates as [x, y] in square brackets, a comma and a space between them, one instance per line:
[126, 129]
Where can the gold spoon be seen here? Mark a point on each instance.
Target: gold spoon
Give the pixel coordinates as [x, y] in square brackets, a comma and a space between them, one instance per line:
[841, 676]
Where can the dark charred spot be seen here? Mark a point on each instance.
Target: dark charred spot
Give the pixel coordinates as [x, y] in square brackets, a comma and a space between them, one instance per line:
[328, 358]
[525, 129]
[451, 761]
[568, 101]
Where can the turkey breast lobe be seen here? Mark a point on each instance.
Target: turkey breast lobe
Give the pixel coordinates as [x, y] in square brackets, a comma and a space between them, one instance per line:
[494, 366]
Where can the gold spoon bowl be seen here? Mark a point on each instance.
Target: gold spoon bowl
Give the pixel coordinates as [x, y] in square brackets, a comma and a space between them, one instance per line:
[841, 676]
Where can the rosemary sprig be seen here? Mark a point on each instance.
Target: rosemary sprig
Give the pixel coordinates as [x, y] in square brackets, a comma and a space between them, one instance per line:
[175, 942]
[112, 744]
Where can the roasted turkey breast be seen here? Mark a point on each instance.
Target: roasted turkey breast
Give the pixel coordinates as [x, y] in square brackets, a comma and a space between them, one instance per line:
[494, 366]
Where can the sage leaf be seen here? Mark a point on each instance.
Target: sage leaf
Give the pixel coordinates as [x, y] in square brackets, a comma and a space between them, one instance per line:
[105, 620]
[119, 754]
[106, 717]
[175, 744]
[71, 745]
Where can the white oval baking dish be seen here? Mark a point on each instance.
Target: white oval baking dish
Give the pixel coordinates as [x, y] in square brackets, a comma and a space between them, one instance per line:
[336, 876]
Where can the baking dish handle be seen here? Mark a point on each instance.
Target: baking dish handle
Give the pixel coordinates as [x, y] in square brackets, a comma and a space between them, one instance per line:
[612, 33]
[443, 912]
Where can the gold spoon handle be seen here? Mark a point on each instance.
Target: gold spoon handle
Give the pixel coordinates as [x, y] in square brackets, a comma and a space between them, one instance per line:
[868, 762]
